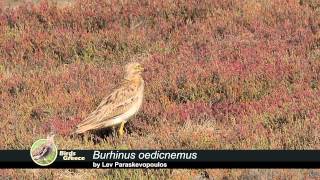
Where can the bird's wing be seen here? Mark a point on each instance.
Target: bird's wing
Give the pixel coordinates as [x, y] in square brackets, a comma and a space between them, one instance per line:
[118, 102]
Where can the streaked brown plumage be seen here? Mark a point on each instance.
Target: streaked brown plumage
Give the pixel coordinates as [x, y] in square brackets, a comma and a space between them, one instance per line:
[120, 105]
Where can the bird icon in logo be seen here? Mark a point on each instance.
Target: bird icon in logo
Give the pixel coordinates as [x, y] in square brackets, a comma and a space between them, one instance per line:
[44, 151]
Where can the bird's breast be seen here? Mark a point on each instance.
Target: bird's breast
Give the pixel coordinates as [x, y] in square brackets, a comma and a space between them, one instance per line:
[135, 108]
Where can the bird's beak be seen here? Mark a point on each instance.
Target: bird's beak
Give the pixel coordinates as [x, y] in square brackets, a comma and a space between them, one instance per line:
[141, 69]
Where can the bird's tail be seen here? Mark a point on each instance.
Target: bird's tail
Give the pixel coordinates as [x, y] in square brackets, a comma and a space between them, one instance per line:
[93, 124]
[88, 125]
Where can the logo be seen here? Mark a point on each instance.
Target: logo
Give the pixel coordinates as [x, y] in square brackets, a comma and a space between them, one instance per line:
[44, 152]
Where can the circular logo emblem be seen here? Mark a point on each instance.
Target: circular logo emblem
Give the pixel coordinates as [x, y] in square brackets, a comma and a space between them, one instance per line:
[43, 152]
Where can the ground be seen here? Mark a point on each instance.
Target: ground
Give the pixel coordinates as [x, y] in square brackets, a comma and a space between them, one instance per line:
[219, 75]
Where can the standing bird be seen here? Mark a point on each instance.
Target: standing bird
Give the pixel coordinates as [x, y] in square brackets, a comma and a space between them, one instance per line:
[120, 105]
[45, 149]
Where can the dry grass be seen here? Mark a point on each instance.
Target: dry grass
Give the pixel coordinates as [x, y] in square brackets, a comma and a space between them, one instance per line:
[222, 75]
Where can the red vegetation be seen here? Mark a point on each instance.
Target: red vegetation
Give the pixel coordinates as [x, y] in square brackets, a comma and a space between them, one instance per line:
[246, 67]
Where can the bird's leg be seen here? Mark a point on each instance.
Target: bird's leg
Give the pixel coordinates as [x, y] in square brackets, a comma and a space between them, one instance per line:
[121, 131]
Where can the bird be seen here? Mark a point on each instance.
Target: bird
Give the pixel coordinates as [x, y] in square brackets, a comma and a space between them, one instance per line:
[119, 106]
[45, 149]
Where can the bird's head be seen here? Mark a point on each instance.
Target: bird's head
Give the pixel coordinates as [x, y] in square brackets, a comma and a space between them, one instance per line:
[133, 69]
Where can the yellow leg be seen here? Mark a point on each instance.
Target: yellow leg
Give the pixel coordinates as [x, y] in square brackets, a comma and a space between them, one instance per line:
[121, 131]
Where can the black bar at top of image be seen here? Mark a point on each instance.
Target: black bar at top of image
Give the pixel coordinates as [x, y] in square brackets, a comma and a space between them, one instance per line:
[205, 159]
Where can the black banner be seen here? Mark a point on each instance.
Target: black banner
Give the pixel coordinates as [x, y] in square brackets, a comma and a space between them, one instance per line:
[167, 159]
